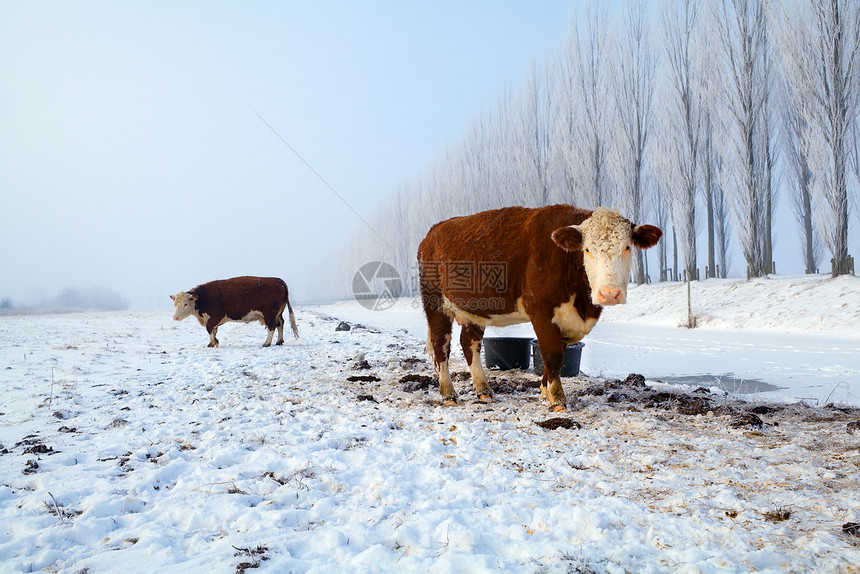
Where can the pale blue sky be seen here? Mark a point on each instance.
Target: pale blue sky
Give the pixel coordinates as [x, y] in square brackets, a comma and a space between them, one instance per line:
[131, 157]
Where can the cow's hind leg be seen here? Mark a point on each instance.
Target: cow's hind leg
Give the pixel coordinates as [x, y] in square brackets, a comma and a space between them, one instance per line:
[439, 346]
[471, 336]
[269, 337]
[280, 328]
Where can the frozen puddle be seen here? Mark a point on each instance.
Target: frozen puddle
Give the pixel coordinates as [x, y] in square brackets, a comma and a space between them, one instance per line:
[727, 382]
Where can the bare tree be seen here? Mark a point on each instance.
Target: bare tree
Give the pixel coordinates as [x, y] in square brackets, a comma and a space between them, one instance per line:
[822, 62]
[709, 185]
[564, 126]
[682, 124]
[796, 142]
[533, 149]
[501, 149]
[633, 86]
[710, 80]
[722, 227]
[854, 157]
[559, 123]
[769, 148]
[660, 213]
[741, 25]
[472, 167]
[588, 51]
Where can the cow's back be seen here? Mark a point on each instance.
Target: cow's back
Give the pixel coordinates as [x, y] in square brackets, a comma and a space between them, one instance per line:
[490, 234]
[518, 239]
[236, 297]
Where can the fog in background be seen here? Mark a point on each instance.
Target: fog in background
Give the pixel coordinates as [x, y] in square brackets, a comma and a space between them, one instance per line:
[133, 161]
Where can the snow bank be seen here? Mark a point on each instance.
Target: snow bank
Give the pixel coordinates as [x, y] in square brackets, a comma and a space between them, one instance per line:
[805, 303]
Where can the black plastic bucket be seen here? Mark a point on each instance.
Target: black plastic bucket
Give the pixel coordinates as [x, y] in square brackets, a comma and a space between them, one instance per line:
[506, 353]
[572, 356]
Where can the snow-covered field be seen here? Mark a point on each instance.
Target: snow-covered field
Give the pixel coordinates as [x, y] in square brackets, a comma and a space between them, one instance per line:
[127, 445]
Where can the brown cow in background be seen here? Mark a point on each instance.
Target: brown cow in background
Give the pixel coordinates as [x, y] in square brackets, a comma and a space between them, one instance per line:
[555, 266]
[241, 299]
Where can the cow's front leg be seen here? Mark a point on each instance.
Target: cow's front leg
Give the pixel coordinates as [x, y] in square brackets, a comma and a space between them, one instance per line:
[552, 352]
[212, 328]
[471, 336]
[439, 347]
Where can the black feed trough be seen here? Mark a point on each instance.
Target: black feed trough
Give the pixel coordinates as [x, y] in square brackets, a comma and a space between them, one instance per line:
[506, 353]
[572, 357]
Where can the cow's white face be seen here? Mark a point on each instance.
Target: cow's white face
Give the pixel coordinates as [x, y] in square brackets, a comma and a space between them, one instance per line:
[184, 303]
[607, 241]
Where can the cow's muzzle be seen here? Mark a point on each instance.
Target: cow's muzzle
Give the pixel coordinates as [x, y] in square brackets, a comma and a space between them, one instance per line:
[609, 296]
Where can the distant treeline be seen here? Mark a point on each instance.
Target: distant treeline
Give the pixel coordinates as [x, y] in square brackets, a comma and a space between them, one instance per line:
[71, 299]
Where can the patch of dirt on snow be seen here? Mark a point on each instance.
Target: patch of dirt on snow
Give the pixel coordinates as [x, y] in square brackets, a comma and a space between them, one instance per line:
[516, 382]
[558, 423]
[363, 379]
[414, 382]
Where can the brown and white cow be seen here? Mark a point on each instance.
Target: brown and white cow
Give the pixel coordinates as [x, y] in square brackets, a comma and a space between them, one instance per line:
[241, 299]
[555, 266]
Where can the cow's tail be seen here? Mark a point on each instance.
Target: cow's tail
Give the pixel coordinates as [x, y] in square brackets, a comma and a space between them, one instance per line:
[292, 318]
[293, 321]
[290, 307]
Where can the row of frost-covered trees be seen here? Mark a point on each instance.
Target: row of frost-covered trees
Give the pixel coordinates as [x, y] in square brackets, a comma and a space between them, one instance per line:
[694, 116]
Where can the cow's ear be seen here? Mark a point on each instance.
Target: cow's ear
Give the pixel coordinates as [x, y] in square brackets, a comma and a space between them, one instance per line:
[193, 296]
[645, 236]
[173, 297]
[568, 238]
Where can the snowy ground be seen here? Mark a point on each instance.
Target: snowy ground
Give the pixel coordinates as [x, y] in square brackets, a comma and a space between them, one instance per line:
[786, 339]
[126, 444]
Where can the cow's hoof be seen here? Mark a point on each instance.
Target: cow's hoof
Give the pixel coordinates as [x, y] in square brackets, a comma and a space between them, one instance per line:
[211, 345]
[450, 403]
[279, 343]
[485, 398]
[558, 408]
